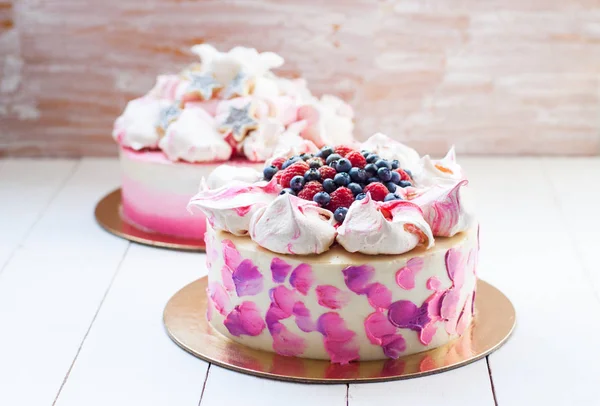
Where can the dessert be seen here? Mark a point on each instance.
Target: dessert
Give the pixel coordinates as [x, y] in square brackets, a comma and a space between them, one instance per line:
[343, 254]
[228, 108]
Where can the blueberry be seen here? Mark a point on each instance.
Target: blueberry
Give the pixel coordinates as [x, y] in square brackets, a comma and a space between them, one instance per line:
[290, 161]
[365, 154]
[287, 190]
[322, 198]
[408, 172]
[358, 175]
[296, 183]
[361, 196]
[404, 183]
[373, 179]
[371, 169]
[390, 196]
[325, 152]
[391, 186]
[329, 185]
[269, 172]
[333, 157]
[395, 164]
[343, 165]
[382, 163]
[395, 177]
[355, 188]
[384, 174]
[341, 179]
[315, 163]
[371, 158]
[306, 156]
[340, 214]
[312, 174]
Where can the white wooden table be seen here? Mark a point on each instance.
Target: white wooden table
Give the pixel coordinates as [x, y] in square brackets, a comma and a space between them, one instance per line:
[81, 310]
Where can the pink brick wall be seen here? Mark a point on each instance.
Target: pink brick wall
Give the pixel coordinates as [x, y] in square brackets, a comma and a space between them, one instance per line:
[492, 77]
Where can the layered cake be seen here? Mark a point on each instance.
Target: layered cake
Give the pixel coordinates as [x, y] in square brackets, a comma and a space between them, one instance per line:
[229, 107]
[343, 254]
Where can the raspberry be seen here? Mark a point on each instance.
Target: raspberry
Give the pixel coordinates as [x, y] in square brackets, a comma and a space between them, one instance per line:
[356, 159]
[278, 162]
[295, 169]
[327, 172]
[310, 190]
[341, 197]
[404, 175]
[378, 191]
[343, 150]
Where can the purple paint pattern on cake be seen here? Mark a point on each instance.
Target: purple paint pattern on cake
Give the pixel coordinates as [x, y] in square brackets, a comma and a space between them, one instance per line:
[339, 341]
[302, 278]
[405, 277]
[245, 319]
[280, 270]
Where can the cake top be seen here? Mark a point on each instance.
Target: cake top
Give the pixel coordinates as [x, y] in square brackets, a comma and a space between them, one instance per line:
[382, 198]
[231, 104]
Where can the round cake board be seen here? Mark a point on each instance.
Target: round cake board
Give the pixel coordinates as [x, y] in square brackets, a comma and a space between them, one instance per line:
[108, 215]
[186, 324]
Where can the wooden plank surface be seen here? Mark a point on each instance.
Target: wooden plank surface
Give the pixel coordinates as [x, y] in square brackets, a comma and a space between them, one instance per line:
[81, 310]
[495, 77]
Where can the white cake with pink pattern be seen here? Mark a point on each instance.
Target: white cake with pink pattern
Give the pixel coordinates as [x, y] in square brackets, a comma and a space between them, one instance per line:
[227, 108]
[343, 254]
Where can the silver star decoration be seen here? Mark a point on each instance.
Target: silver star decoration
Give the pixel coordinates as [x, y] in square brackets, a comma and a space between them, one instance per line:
[202, 85]
[239, 122]
[168, 115]
[237, 87]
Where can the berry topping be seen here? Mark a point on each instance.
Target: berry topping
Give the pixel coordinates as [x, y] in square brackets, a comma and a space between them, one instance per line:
[278, 162]
[333, 158]
[341, 197]
[358, 175]
[395, 164]
[310, 190]
[391, 196]
[378, 191]
[355, 188]
[305, 156]
[296, 183]
[325, 152]
[269, 172]
[404, 183]
[315, 163]
[371, 158]
[329, 185]
[340, 214]
[395, 177]
[391, 186]
[382, 163]
[356, 159]
[287, 190]
[343, 150]
[295, 169]
[343, 165]
[384, 174]
[404, 174]
[290, 161]
[312, 174]
[342, 179]
[360, 196]
[322, 198]
[327, 172]
[371, 169]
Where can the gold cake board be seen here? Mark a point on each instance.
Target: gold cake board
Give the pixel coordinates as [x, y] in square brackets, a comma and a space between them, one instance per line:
[186, 324]
[108, 215]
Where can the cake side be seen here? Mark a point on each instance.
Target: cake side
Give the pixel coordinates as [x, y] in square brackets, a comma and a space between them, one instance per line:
[338, 305]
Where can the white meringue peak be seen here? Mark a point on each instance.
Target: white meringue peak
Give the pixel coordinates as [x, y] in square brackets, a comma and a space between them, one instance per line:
[291, 225]
[366, 228]
[225, 174]
[136, 128]
[193, 137]
[389, 148]
[435, 171]
[231, 207]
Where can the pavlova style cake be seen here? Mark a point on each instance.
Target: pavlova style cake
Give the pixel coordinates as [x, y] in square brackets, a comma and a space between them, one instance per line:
[343, 254]
[230, 108]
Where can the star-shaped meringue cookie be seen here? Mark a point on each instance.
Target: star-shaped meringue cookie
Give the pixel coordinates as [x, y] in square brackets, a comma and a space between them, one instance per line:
[239, 86]
[239, 122]
[168, 115]
[202, 85]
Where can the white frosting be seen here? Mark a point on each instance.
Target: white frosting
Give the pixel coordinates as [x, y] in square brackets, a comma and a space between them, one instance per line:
[290, 225]
[389, 148]
[448, 208]
[231, 207]
[432, 172]
[193, 137]
[290, 143]
[136, 127]
[329, 121]
[366, 230]
[170, 87]
[224, 174]
[260, 144]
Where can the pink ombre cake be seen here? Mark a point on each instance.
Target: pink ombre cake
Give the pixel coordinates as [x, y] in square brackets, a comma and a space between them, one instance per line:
[227, 108]
[343, 254]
